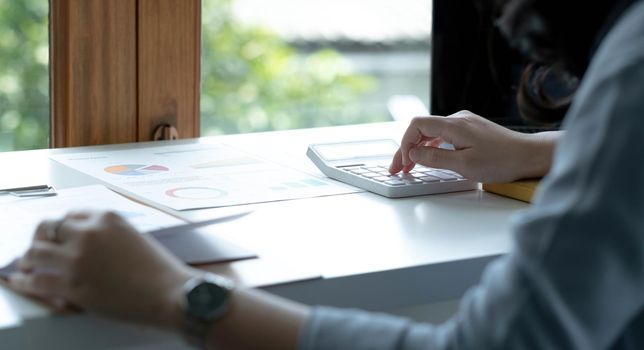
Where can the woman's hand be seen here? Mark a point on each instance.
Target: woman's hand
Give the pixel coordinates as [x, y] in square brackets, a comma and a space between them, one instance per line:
[483, 151]
[98, 261]
[101, 263]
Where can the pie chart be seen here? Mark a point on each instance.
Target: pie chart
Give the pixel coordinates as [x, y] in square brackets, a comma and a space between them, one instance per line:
[136, 169]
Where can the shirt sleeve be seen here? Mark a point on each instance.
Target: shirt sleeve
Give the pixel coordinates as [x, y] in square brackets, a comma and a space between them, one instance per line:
[575, 276]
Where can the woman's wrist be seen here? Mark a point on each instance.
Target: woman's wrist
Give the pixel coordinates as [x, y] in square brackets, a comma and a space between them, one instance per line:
[171, 314]
[536, 153]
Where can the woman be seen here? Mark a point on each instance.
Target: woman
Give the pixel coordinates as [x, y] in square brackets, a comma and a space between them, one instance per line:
[574, 279]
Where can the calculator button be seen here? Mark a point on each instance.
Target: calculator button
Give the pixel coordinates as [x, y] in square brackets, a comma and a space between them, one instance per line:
[441, 175]
[430, 179]
[373, 168]
[371, 175]
[381, 178]
[412, 181]
[359, 171]
[394, 182]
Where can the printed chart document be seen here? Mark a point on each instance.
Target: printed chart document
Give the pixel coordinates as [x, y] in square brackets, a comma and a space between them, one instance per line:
[195, 176]
[21, 216]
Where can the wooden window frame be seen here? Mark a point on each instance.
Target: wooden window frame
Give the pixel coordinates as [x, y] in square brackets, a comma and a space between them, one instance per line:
[122, 68]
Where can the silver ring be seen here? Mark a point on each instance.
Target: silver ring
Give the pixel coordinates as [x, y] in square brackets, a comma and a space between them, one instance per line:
[52, 230]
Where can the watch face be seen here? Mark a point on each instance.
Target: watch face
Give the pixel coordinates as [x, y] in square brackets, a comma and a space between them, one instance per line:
[205, 300]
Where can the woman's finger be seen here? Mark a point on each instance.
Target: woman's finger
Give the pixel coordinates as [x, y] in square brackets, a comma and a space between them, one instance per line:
[437, 142]
[434, 157]
[38, 284]
[396, 163]
[46, 230]
[43, 255]
[423, 129]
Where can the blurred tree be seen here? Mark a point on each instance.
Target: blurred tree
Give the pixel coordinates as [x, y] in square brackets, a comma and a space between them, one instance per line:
[24, 77]
[254, 81]
[251, 79]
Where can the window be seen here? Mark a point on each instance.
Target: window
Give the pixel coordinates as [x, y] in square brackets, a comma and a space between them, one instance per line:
[24, 75]
[122, 70]
[283, 64]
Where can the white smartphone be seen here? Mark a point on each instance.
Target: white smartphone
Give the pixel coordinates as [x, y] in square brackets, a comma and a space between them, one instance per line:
[365, 164]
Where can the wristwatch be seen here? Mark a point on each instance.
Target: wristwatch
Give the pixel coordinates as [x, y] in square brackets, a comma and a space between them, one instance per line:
[205, 300]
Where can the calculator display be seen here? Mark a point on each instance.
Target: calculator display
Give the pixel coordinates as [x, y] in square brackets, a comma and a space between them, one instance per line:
[353, 150]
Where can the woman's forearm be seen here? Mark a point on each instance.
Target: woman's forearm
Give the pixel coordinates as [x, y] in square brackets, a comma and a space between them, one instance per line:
[258, 320]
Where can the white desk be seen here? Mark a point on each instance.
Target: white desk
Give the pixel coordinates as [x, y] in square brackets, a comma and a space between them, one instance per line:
[372, 252]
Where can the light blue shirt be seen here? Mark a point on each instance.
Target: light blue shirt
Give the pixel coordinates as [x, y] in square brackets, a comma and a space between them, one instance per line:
[575, 276]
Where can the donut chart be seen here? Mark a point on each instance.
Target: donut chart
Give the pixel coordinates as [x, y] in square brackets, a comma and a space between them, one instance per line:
[196, 193]
[135, 169]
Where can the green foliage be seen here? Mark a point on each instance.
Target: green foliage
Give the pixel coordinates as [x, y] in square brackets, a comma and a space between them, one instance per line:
[24, 79]
[251, 79]
[254, 81]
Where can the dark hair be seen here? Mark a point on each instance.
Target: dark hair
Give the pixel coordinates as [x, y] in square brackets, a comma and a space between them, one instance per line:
[559, 37]
[545, 93]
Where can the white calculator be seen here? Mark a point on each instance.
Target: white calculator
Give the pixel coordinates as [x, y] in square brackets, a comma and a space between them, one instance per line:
[365, 164]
